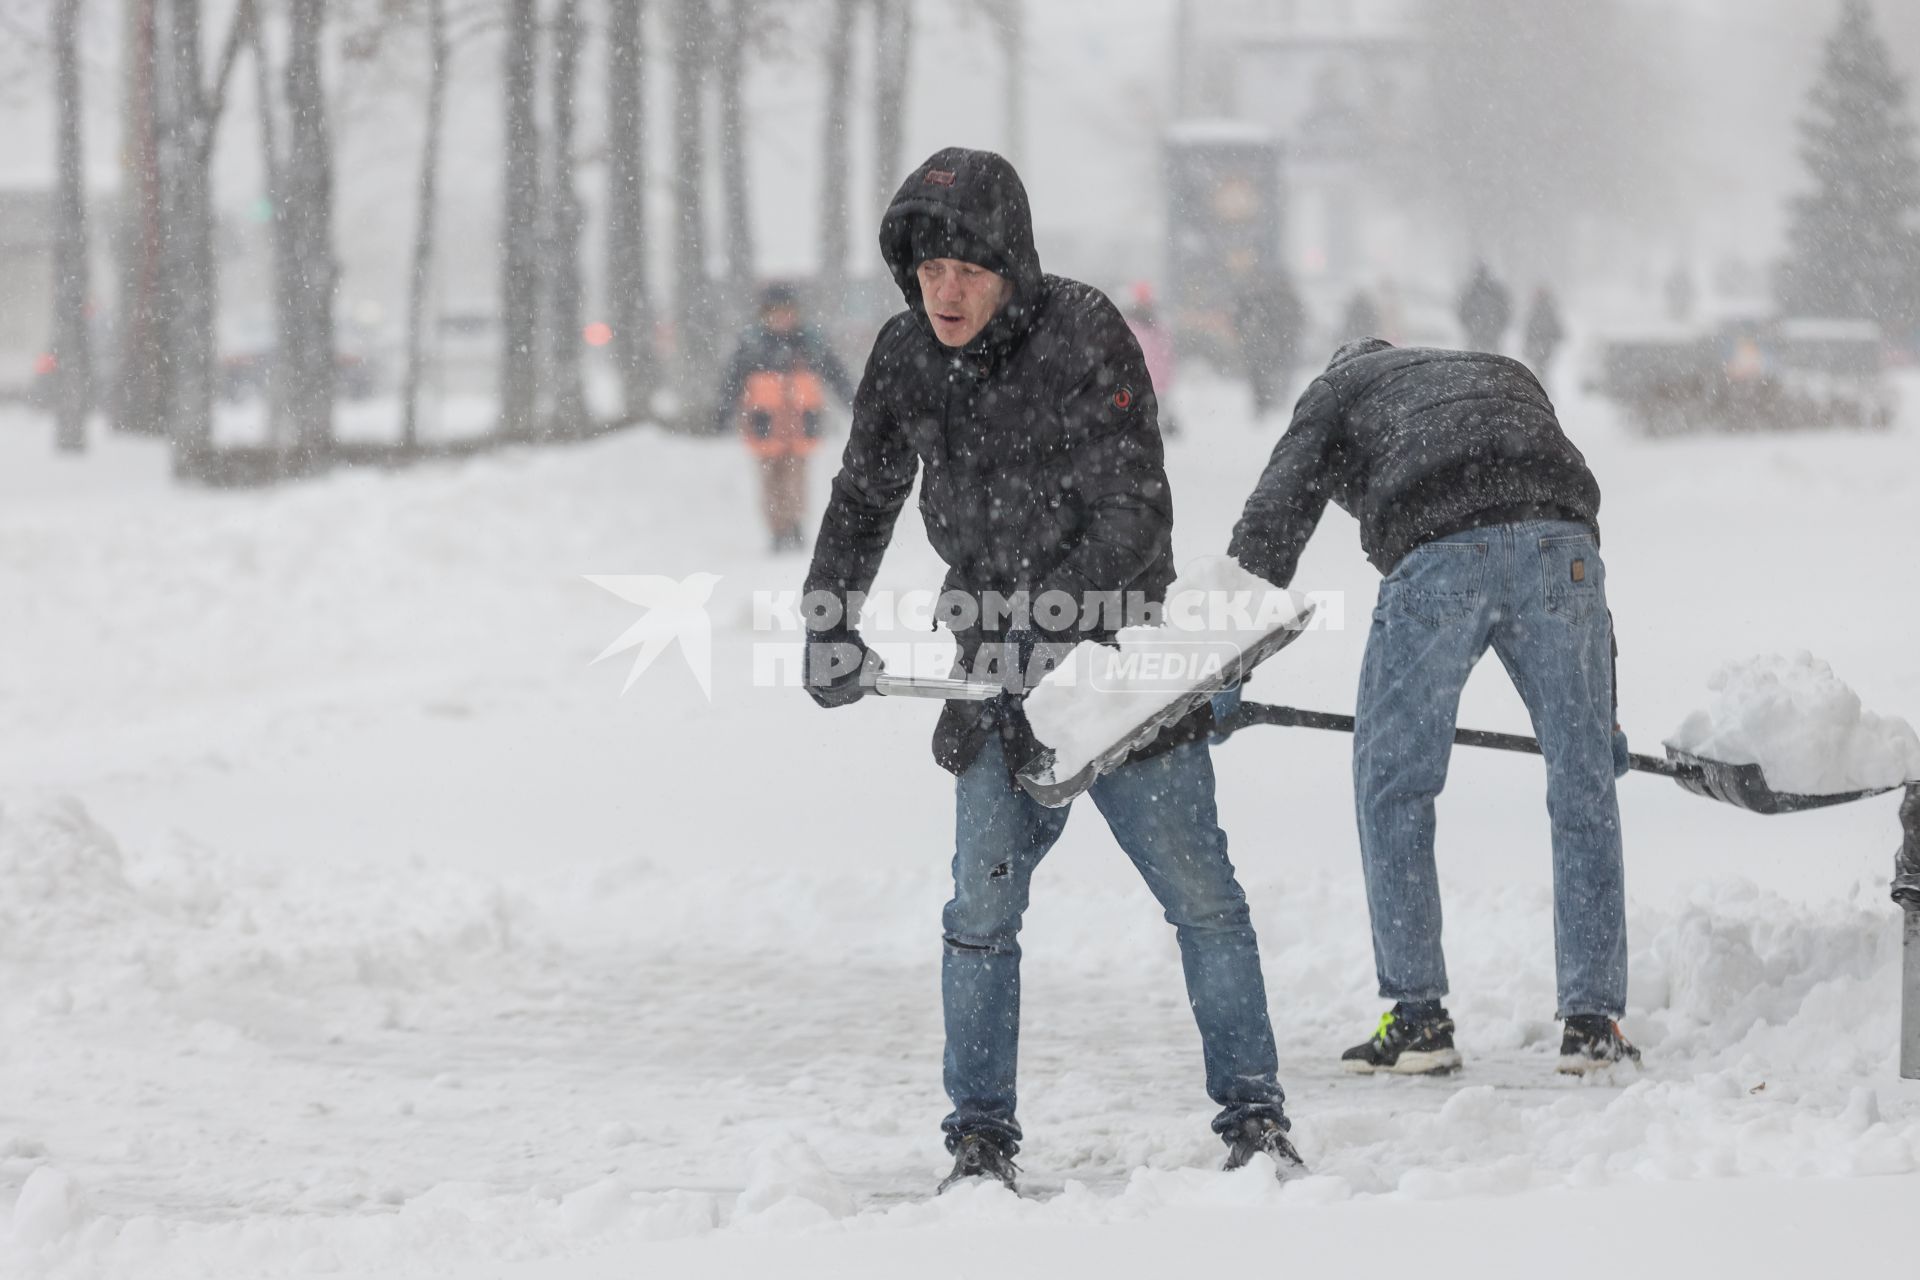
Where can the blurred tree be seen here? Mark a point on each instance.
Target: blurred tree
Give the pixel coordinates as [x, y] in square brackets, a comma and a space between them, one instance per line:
[172, 360]
[274, 196]
[303, 220]
[629, 305]
[1854, 241]
[567, 409]
[833, 153]
[71, 354]
[519, 227]
[735, 41]
[892, 55]
[695, 321]
[1009, 19]
[141, 392]
[427, 188]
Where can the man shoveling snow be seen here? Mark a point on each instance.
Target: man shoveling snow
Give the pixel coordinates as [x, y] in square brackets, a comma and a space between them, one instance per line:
[1482, 515]
[1024, 402]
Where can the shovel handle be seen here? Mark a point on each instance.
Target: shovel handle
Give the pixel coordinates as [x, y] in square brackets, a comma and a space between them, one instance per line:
[935, 687]
[1248, 713]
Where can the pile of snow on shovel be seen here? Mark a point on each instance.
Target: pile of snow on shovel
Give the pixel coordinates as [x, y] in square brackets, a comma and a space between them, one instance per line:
[1806, 730]
[1214, 611]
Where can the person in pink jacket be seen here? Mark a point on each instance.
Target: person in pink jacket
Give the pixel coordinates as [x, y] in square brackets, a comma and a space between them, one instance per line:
[1156, 344]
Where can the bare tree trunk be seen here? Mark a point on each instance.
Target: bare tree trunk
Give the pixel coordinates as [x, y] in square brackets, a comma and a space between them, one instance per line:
[275, 197]
[693, 298]
[72, 357]
[275, 383]
[306, 349]
[520, 233]
[142, 391]
[627, 297]
[186, 117]
[568, 413]
[440, 55]
[892, 52]
[736, 196]
[833, 151]
[1013, 35]
[186, 143]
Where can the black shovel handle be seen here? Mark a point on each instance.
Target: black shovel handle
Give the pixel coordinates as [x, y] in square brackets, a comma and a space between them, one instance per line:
[1249, 713]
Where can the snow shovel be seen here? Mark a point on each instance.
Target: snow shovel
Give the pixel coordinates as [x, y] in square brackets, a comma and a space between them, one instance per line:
[1036, 777]
[1039, 778]
[1742, 785]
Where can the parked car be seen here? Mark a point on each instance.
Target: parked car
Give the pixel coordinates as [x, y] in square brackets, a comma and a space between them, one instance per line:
[1768, 374]
[247, 352]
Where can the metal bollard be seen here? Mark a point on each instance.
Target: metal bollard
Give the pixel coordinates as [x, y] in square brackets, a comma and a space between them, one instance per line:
[1910, 997]
[1906, 892]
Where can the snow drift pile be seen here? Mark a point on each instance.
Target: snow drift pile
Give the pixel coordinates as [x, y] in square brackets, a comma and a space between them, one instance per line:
[1215, 610]
[1803, 727]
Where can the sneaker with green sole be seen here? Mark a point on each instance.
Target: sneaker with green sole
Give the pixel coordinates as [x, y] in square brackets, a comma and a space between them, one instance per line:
[1407, 1043]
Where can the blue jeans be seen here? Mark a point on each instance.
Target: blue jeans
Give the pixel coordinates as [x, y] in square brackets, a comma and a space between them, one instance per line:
[1161, 812]
[1535, 592]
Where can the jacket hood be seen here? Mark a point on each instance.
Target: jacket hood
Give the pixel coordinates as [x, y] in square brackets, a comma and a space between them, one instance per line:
[977, 195]
[1358, 347]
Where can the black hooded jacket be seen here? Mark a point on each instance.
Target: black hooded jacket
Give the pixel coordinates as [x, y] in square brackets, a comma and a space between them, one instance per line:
[1414, 443]
[1037, 445]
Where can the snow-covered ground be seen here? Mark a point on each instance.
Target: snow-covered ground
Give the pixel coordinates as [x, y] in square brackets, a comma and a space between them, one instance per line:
[352, 921]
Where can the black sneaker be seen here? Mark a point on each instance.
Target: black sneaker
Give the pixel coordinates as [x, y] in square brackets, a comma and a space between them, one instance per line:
[1593, 1042]
[1269, 1135]
[1408, 1043]
[978, 1156]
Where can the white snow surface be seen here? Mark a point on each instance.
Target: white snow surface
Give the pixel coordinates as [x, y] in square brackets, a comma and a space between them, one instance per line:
[352, 923]
[1806, 730]
[1215, 610]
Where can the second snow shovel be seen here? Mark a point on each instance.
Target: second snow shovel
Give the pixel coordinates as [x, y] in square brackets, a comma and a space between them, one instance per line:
[1742, 785]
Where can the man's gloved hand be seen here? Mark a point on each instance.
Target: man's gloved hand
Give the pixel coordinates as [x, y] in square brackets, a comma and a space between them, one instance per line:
[839, 668]
[1621, 763]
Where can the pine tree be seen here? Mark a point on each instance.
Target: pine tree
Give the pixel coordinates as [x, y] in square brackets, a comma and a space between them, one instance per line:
[1854, 242]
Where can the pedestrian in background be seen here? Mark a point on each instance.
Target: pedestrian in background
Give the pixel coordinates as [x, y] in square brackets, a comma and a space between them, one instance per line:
[1543, 333]
[1269, 318]
[773, 388]
[1156, 346]
[1486, 308]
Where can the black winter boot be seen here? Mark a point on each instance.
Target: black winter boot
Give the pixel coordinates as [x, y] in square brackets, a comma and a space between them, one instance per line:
[976, 1155]
[1593, 1042]
[1264, 1133]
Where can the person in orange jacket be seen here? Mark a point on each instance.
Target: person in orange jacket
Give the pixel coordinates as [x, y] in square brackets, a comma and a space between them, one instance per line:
[773, 389]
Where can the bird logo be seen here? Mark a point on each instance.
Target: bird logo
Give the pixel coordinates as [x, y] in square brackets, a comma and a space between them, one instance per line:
[675, 611]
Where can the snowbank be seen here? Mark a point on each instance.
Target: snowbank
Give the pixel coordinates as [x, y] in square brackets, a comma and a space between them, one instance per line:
[1215, 610]
[1806, 729]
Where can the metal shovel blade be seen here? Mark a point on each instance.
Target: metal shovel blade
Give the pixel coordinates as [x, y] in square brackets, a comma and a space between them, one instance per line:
[1745, 786]
[1037, 777]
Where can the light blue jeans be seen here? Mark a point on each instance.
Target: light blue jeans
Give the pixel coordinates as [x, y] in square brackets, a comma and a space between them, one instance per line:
[1161, 811]
[1536, 593]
